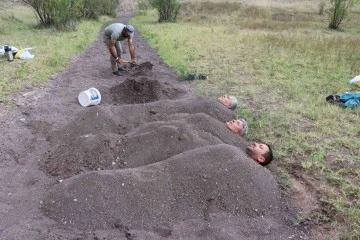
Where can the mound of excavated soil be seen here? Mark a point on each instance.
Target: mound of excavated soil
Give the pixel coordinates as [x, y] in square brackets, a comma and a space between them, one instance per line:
[143, 90]
[151, 161]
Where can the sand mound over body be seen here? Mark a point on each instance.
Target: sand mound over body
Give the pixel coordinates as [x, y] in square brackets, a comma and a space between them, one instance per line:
[94, 120]
[128, 117]
[147, 144]
[198, 184]
[143, 90]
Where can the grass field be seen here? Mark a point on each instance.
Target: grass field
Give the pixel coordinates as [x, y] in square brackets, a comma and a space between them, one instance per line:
[281, 63]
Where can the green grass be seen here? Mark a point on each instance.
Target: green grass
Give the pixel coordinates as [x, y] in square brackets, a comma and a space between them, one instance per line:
[281, 64]
[52, 49]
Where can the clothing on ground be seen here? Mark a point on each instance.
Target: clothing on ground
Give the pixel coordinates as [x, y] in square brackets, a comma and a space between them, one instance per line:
[350, 99]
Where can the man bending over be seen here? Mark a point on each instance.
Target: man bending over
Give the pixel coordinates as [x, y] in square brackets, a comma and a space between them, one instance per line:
[113, 34]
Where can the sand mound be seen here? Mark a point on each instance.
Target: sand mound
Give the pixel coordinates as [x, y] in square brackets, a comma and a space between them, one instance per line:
[143, 90]
[128, 117]
[98, 152]
[95, 120]
[198, 184]
[147, 144]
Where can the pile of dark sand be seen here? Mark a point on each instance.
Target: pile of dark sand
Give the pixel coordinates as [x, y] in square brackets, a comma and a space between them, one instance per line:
[197, 184]
[152, 161]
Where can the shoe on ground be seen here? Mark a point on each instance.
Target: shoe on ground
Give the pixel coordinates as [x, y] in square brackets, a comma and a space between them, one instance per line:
[120, 69]
[117, 73]
[190, 77]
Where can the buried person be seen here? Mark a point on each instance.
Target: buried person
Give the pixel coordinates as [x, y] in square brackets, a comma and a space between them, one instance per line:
[238, 126]
[260, 152]
[113, 34]
[228, 101]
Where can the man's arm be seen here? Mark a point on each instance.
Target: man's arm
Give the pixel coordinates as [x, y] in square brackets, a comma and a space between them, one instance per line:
[132, 50]
[111, 47]
[113, 53]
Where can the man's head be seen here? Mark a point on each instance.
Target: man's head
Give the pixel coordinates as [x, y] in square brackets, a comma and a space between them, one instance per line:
[128, 31]
[260, 152]
[238, 126]
[229, 101]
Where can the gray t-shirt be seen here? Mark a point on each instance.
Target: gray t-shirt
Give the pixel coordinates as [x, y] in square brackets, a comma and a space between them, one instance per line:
[113, 31]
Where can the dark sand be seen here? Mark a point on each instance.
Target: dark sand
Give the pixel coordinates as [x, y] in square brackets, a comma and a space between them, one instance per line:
[151, 161]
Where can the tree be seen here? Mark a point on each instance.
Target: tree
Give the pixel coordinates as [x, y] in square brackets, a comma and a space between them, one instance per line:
[339, 11]
[168, 9]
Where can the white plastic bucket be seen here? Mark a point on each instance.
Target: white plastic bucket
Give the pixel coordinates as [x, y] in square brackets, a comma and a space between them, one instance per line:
[89, 97]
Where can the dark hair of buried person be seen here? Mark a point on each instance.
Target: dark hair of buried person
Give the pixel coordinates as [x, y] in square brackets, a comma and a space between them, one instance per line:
[268, 156]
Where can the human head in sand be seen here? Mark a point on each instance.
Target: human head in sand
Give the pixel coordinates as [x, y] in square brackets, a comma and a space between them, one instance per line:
[229, 101]
[238, 126]
[260, 152]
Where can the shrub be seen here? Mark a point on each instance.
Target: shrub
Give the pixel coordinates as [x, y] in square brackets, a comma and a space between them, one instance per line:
[109, 7]
[339, 11]
[143, 4]
[91, 9]
[321, 7]
[167, 9]
[63, 14]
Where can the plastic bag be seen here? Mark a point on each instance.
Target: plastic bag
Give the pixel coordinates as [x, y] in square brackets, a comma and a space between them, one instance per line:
[24, 54]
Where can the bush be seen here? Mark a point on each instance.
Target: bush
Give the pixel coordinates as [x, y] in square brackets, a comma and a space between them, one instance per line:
[143, 4]
[93, 9]
[321, 7]
[63, 14]
[109, 7]
[339, 11]
[167, 9]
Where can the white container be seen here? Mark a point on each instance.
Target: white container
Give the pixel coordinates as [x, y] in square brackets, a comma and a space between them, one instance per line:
[89, 97]
[355, 79]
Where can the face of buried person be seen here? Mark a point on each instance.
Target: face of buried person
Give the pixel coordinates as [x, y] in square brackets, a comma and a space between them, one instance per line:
[225, 100]
[259, 152]
[236, 126]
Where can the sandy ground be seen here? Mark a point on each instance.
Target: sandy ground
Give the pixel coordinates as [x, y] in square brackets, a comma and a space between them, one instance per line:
[151, 161]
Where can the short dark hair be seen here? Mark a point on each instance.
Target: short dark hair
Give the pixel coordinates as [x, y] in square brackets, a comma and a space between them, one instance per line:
[268, 156]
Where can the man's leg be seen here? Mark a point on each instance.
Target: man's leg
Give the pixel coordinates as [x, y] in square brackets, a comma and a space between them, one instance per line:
[113, 63]
[118, 52]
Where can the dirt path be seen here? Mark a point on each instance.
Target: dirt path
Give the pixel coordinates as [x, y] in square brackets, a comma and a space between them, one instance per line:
[152, 161]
